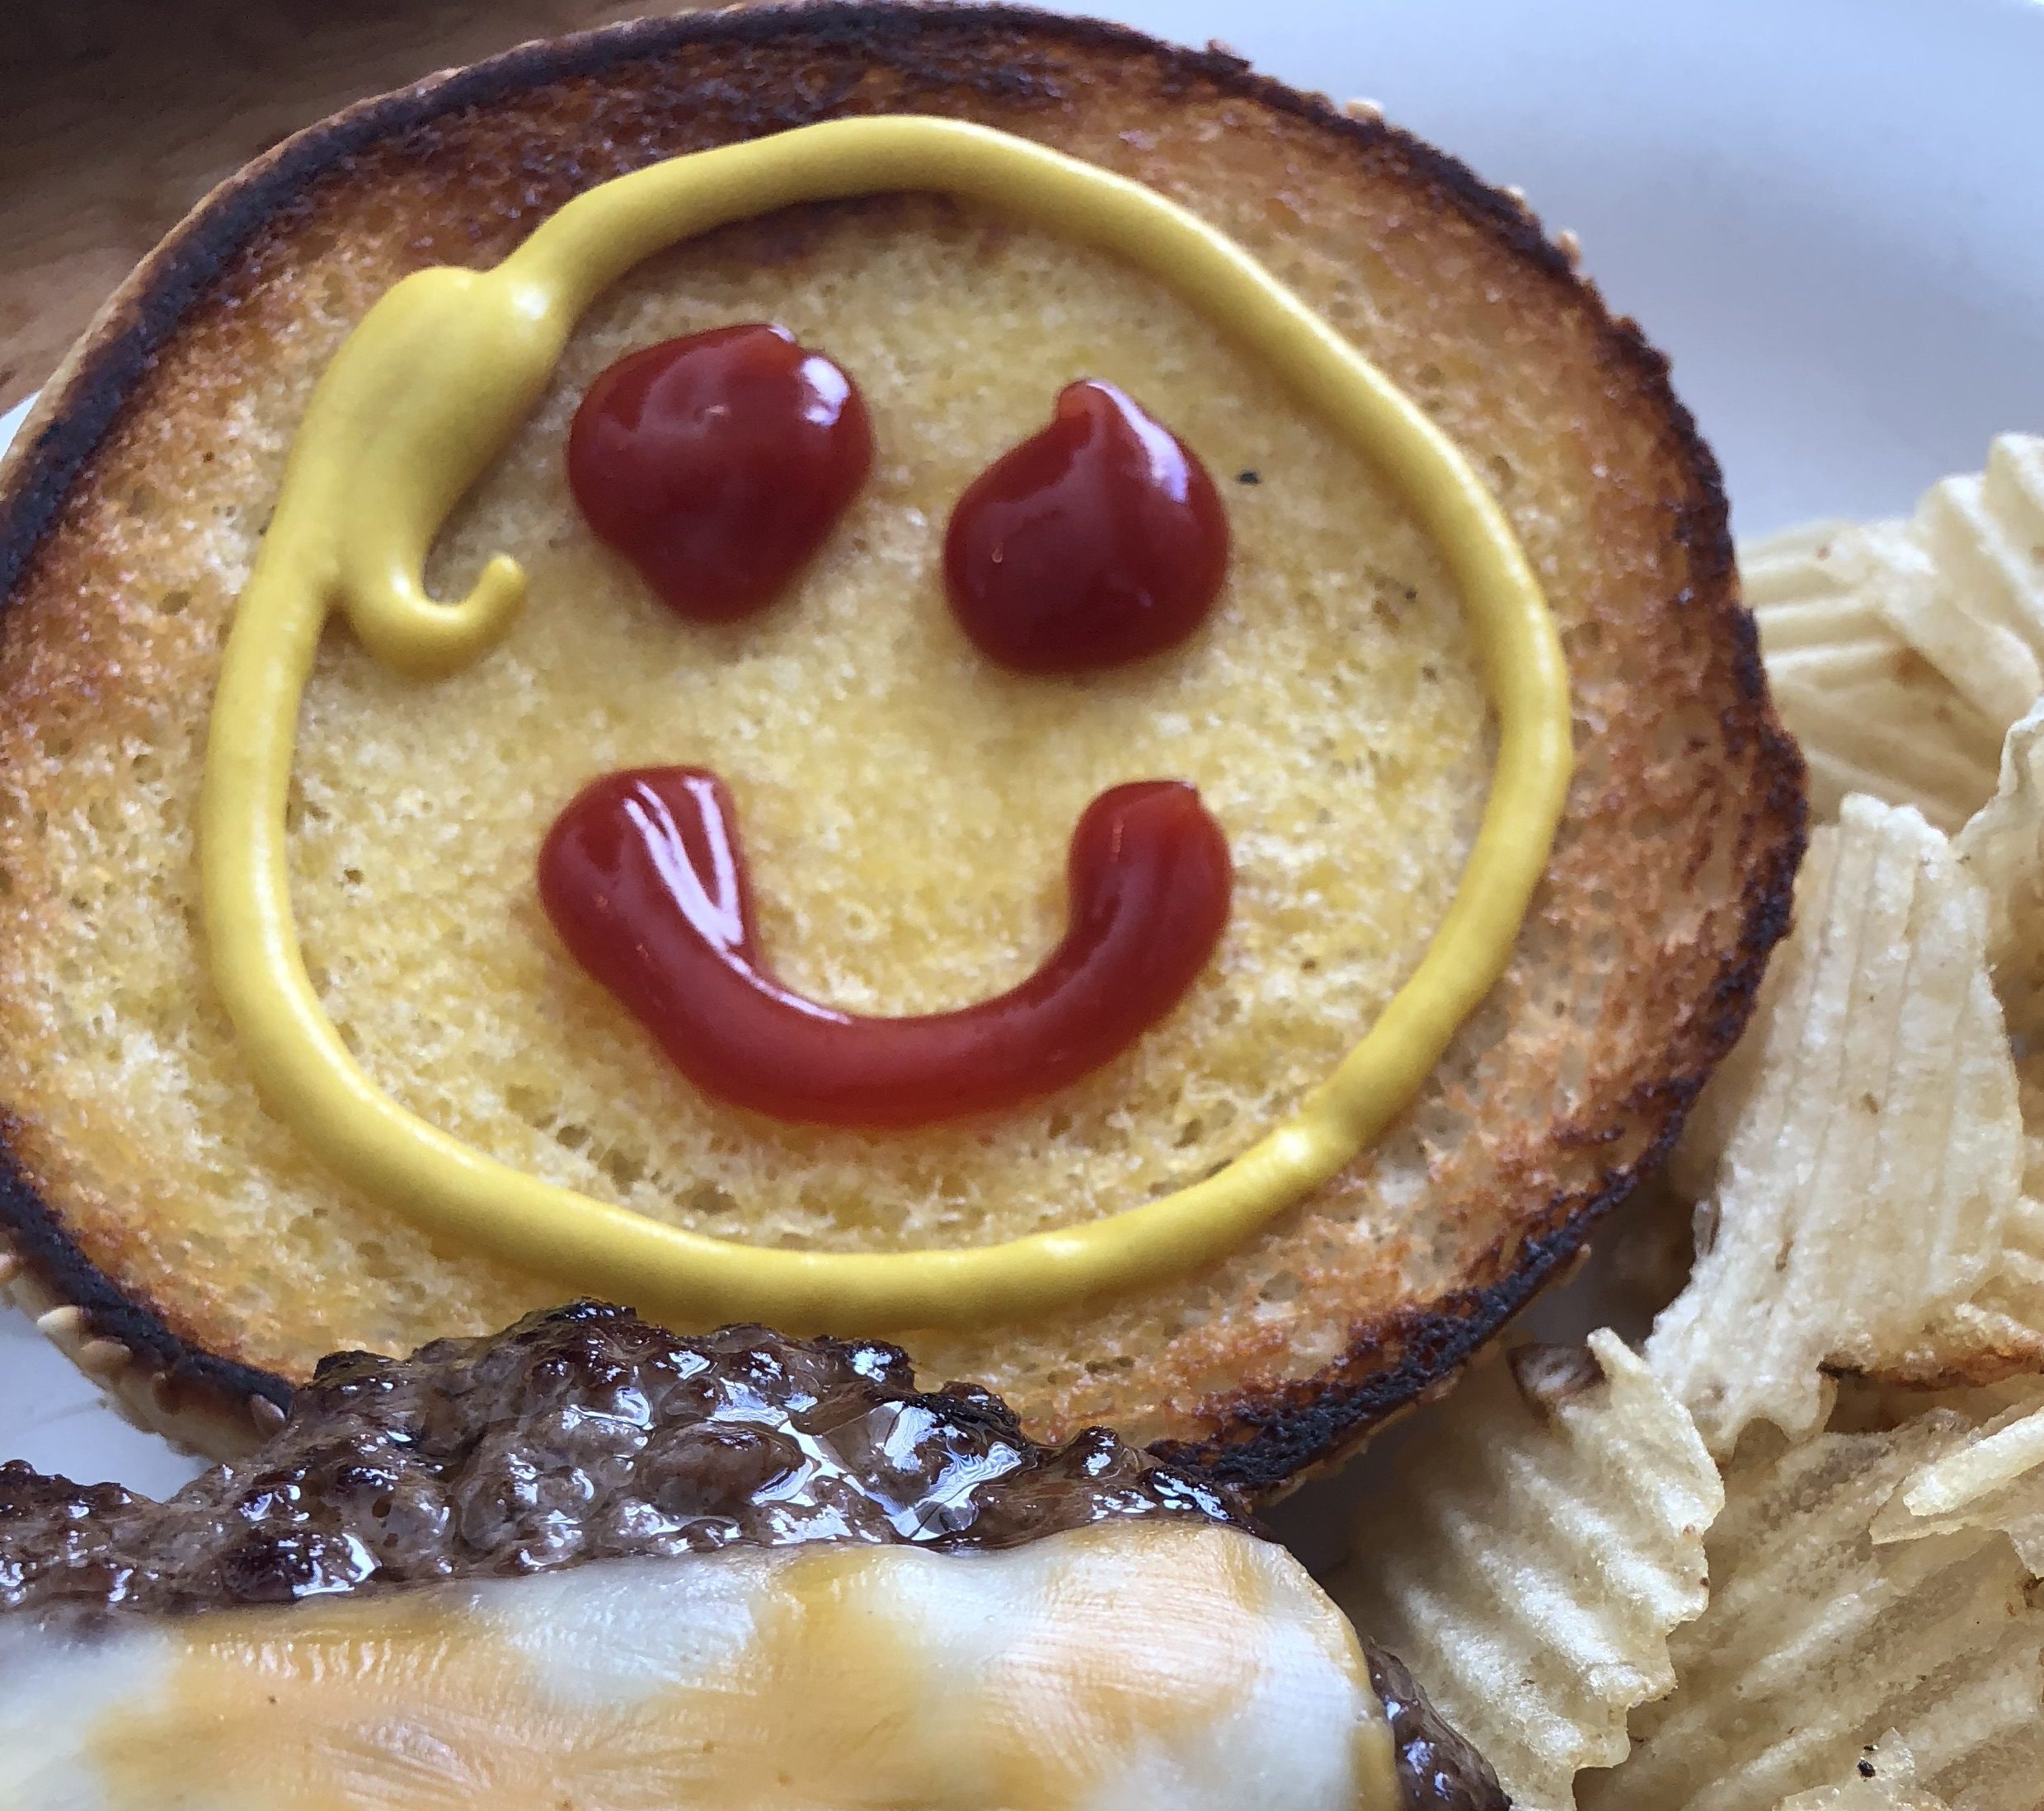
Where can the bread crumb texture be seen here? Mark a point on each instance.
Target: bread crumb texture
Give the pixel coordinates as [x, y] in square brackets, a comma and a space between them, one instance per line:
[904, 805]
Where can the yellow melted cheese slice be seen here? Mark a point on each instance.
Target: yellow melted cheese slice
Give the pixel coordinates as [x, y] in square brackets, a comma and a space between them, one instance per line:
[1119, 1667]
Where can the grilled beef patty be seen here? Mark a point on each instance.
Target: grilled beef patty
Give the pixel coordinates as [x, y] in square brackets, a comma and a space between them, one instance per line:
[586, 1434]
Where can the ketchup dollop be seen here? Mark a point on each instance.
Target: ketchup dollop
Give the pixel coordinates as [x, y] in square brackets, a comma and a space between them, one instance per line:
[1099, 540]
[717, 463]
[643, 878]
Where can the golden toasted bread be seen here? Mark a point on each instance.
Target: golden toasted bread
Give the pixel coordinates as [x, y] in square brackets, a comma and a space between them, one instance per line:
[905, 805]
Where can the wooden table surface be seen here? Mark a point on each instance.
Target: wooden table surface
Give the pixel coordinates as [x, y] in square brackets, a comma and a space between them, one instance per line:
[116, 116]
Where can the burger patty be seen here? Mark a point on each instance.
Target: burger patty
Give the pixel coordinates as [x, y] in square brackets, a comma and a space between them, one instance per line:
[585, 1433]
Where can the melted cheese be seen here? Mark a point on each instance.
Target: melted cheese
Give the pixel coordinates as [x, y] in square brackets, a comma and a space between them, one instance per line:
[1117, 1667]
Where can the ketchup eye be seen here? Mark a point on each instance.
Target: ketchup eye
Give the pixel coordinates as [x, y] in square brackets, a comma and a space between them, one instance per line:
[717, 463]
[1099, 540]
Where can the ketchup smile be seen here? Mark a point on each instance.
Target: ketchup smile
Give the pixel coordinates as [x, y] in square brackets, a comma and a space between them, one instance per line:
[1100, 540]
[716, 464]
[644, 880]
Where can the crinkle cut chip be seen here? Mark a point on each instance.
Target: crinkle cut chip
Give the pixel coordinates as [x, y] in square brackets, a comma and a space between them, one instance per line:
[1867, 1142]
[1529, 1556]
[1901, 651]
[1819, 1637]
[1873, 714]
[1883, 1779]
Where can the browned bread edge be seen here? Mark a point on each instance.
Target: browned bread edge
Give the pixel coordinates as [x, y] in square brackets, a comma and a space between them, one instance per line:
[1268, 1437]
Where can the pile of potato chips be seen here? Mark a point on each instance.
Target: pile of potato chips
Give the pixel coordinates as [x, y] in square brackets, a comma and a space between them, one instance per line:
[1790, 1553]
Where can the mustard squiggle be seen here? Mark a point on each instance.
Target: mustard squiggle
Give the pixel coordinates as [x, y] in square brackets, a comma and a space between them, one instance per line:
[423, 395]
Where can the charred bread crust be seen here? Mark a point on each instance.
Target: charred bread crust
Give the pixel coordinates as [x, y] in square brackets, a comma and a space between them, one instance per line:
[1272, 1440]
[1261, 1439]
[161, 1382]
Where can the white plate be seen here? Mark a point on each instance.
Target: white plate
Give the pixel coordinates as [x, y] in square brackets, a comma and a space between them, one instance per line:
[1830, 213]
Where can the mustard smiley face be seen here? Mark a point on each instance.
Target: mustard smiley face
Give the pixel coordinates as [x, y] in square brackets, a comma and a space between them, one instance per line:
[411, 411]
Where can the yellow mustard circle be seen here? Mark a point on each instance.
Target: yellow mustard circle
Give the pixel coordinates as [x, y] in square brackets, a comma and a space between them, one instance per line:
[427, 390]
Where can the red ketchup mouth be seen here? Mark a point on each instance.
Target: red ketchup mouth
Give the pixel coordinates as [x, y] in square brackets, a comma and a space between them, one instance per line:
[644, 880]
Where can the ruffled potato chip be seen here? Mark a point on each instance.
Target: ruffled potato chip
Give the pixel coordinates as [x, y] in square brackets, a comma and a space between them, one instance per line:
[2004, 845]
[1863, 1149]
[1994, 1479]
[1531, 1561]
[1999, 1331]
[1819, 1637]
[1883, 1779]
[1985, 535]
[1900, 652]
[1871, 713]
[1879, 1404]
[1997, 1456]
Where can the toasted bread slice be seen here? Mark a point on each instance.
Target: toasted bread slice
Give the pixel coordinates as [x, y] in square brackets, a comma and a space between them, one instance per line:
[906, 806]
